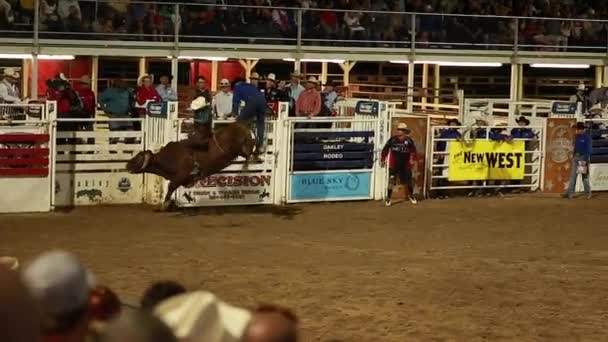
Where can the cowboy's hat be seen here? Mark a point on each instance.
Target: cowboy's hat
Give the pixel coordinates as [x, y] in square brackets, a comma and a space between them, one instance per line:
[10, 72]
[312, 79]
[201, 316]
[11, 263]
[451, 121]
[402, 126]
[271, 77]
[140, 79]
[85, 79]
[296, 74]
[254, 76]
[224, 83]
[198, 103]
[581, 86]
[481, 122]
[522, 119]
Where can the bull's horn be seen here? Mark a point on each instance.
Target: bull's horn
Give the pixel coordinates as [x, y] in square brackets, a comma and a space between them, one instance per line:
[146, 160]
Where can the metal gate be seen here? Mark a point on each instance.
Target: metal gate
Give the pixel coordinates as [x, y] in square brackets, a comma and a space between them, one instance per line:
[438, 171]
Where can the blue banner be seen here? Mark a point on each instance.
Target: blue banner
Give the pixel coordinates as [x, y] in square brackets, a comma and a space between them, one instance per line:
[319, 186]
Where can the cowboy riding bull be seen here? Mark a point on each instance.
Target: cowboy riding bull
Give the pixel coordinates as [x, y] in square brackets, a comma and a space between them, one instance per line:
[205, 152]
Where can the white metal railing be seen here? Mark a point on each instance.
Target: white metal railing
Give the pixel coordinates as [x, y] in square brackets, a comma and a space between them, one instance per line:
[496, 111]
[424, 30]
[438, 168]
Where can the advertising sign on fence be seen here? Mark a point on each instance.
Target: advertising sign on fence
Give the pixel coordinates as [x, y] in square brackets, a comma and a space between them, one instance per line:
[486, 160]
[338, 185]
[228, 189]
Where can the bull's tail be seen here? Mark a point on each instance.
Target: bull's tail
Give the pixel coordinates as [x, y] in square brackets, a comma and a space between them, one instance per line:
[139, 163]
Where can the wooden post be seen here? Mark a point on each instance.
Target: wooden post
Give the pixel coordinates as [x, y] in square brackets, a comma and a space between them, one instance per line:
[425, 84]
[214, 75]
[520, 82]
[25, 77]
[94, 74]
[323, 72]
[174, 72]
[34, 85]
[514, 92]
[248, 65]
[410, 86]
[437, 84]
[142, 66]
[599, 76]
[346, 68]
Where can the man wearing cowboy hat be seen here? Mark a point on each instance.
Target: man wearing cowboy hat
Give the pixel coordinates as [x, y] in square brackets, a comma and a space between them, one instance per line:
[580, 98]
[145, 94]
[201, 90]
[273, 94]
[400, 151]
[203, 121]
[9, 93]
[309, 102]
[294, 89]
[222, 102]
[522, 132]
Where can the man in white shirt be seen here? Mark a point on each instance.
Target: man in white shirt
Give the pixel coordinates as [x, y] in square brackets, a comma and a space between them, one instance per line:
[222, 101]
[294, 89]
[164, 89]
[9, 93]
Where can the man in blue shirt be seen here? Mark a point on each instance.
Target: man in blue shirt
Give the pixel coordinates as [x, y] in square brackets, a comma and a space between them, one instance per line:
[580, 161]
[255, 107]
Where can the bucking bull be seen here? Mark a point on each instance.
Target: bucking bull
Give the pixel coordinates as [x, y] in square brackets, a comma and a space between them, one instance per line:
[183, 165]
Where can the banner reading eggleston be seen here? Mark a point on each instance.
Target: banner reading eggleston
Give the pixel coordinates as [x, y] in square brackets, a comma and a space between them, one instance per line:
[486, 160]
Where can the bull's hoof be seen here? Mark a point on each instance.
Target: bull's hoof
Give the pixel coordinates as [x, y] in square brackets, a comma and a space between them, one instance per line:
[166, 207]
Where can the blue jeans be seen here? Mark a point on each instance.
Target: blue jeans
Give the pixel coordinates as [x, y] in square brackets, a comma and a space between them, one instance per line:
[574, 175]
[256, 108]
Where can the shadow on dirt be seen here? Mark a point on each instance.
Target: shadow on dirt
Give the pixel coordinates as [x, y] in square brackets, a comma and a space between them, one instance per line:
[286, 212]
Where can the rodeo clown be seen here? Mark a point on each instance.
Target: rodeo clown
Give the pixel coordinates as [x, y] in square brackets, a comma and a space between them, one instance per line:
[401, 152]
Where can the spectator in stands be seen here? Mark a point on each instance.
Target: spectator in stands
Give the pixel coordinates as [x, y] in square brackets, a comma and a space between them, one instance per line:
[201, 316]
[70, 15]
[119, 11]
[274, 94]
[49, 16]
[580, 161]
[7, 17]
[9, 92]
[522, 132]
[201, 90]
[116, 102]
[330, 96]
[61, 285]
[309, 102]
[138, 326]
[158, 292]
[400, 151]
[294, 90]
[145, 94]
[21, 319]
[580, 98]
[354, 28]
[222, 102]
[272, 323]
[328, 23]
[164, 89]
[255, 79]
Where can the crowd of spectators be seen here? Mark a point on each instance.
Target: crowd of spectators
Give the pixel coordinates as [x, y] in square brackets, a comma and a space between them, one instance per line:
[57, 298]
[208, 20]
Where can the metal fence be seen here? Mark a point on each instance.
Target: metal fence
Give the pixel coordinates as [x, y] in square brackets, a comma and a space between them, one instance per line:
[181, 24]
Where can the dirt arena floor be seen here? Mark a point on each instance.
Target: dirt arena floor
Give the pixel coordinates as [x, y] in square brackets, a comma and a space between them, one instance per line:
[529, 268]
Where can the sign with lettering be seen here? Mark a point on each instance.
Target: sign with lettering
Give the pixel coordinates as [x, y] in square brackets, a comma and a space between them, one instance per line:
[327, 186]
[367, 107]
[486, 160]
[228, 189]
[564, 108]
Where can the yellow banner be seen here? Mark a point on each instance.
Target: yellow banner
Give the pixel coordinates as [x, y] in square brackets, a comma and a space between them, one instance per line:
[486, 160]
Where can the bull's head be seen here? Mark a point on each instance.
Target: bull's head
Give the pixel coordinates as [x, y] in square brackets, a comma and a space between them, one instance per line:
[139, 163]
